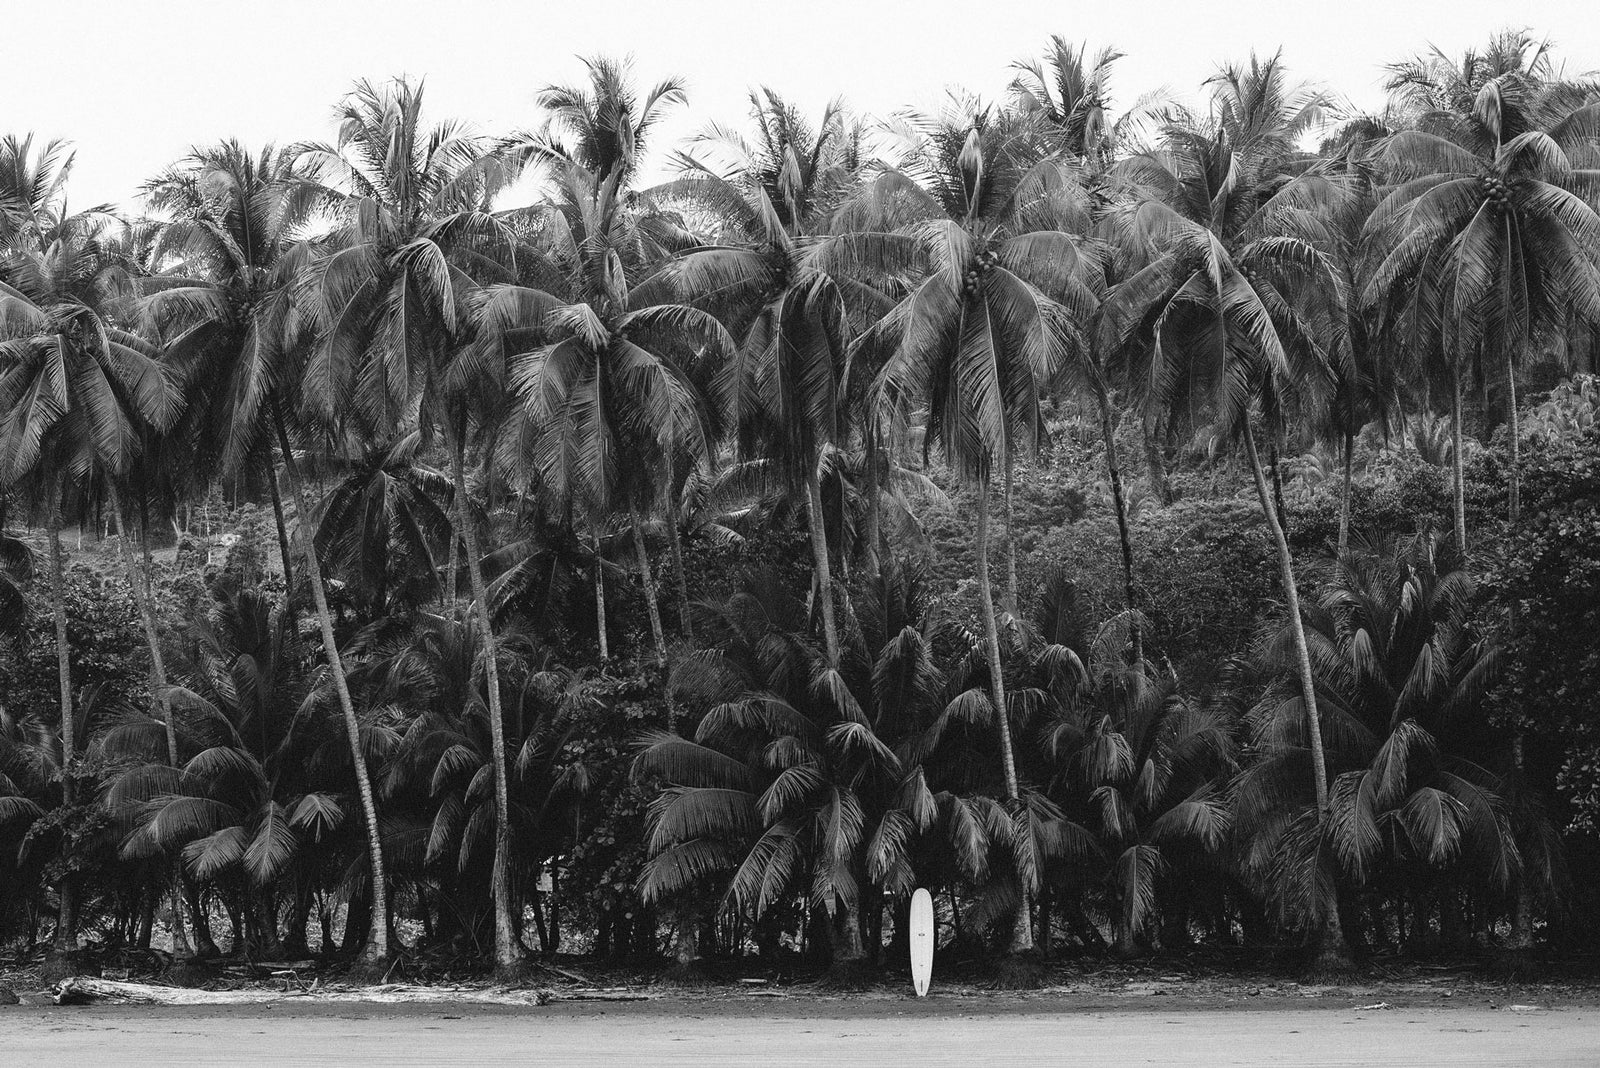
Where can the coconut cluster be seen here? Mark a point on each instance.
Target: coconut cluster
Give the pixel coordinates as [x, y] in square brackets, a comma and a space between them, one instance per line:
[981, 265]
[1496, 190]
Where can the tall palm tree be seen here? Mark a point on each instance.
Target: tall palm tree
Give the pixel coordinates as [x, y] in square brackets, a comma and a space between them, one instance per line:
[75, 381]
[1232, 313]
[604, 126]
[977, 245]
[388, 291]
[606, 379]
[1489, 229]
[589, 147]
[1069, 94]
[221, 298]
[785, 392]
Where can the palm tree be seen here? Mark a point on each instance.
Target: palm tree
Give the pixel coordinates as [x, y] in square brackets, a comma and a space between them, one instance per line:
[805, 779]
[602, 127]
[604, 379]
[30, 770]
[221, 299]
[1231, 311]
[1489, 229]
[446, 752]
[245, 802]
[1069, 94]
[1139, 758]
[75, 382]
[388, 291]
[976, 243]
[1401, 675]
[383, 526]
[784, 393]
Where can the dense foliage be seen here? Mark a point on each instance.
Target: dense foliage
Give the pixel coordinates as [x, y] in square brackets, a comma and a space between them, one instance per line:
[1140, 531]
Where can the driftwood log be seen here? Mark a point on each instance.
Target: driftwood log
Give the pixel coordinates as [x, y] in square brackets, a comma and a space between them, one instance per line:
[87, 990]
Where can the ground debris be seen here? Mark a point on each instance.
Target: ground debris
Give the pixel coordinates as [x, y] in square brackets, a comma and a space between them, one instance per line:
[87, 990]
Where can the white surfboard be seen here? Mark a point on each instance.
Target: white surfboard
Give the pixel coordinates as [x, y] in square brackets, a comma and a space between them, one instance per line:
[922, 938]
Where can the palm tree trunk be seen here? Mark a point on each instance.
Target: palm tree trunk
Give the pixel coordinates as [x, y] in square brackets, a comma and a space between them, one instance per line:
[1514, 475]
[377, 945]
[1291, 595]
[651, 592]
[1332, 945]
[452, 568]
[66, 939]
[1011, 545]
[1457, 481]
[1120, 503]
[675, 542]
[1022, 935]
[1344, 498]
[874, 500]
[599, 595]
[1522, 909]
[1277, 480]
[139, 583]
[507, 949]
[1156, 464]
[283, 529]
[819, 556]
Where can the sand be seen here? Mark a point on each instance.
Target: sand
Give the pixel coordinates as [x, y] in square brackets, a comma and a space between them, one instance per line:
[770, 1032]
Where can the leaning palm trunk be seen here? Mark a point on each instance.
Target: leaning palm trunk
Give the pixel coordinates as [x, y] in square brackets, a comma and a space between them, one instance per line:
[600, 596]
[66, 940]
[819, 555]
[283, 528]
[1120, 503]
[1022, 936]
[377, 946]
[139, 583]
[652, 598]
[507, 949]
[1332, 946]
[1011, 547]
[1276, 469]
[1458, 495]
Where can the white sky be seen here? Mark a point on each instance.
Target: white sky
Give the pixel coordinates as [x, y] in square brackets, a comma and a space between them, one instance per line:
[134, 83]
